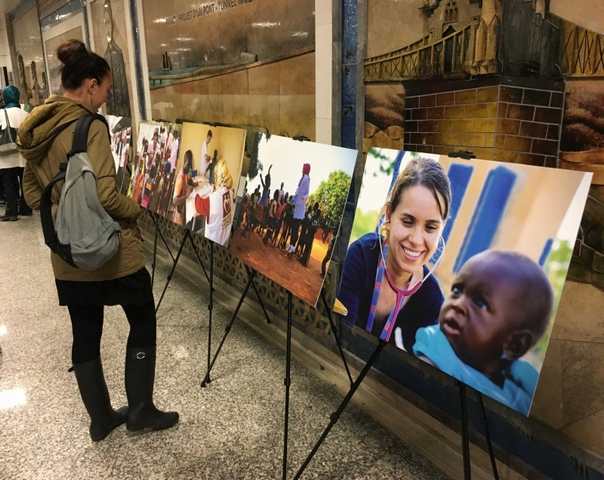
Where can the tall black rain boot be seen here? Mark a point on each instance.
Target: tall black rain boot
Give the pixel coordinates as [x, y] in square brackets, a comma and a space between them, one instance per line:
[93, 389]
[140, 376]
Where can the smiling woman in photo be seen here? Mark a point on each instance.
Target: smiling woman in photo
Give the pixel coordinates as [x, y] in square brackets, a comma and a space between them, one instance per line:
[386, 282]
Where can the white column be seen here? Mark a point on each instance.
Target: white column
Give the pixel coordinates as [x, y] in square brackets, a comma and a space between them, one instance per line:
[323, 71]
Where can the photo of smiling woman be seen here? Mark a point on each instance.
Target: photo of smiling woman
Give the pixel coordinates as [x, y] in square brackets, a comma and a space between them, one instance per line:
[387, 286]
[483, 310]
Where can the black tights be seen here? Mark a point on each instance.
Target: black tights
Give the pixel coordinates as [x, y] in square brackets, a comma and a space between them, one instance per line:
[87, 327]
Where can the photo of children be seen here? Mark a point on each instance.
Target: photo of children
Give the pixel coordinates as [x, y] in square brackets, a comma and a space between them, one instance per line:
[120, 130]
[289, 208]
[207, 169]
[462, 264]
[153, 173]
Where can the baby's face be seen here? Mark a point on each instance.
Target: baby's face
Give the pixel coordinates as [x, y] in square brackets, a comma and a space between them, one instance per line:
[481, 312]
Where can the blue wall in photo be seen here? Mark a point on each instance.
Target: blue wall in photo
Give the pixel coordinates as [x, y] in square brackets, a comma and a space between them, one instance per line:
[487, 215]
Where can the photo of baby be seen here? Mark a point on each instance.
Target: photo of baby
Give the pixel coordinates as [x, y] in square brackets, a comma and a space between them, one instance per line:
[462, 264]
[498, 308]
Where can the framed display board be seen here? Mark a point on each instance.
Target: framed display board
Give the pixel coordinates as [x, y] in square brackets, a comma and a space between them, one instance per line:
[207, 174]
[462, 263]
[289, 208]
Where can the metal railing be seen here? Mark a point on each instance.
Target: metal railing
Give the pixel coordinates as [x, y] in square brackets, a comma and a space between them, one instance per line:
[449, 55]
[583, 54]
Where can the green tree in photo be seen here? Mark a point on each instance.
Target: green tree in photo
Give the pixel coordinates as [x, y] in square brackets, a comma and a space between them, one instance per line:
[331, 195]
[364, 222]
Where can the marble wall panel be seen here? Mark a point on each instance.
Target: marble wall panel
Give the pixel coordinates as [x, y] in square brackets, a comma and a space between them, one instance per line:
[278, 96]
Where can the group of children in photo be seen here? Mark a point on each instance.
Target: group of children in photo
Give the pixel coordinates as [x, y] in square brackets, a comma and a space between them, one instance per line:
[285, 221]
[154, 171]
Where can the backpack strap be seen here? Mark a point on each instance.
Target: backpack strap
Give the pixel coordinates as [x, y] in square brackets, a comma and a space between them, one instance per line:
[51, 238]
[80, 134]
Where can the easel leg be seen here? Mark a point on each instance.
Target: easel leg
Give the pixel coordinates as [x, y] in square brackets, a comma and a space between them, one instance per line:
[268, 320]
[210, 308]
[154, 256]
[488, 438]
[337, 337]
[187, 233]
[465, 434]
[203, 268]
[164, 241]
[227, 329]
[334, 418]
[287, 380]
[161, 236]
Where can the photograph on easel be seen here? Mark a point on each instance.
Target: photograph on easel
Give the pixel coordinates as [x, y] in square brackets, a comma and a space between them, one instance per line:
[207, 172]
[461, 263]
[154, 168]
[289, 208]
[120, 132]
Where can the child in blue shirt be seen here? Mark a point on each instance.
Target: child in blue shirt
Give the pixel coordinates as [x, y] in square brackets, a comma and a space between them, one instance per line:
[498, 309]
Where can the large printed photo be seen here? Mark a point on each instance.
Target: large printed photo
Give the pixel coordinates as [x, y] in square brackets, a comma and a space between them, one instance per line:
[154, 168]
[207, 172]
[289, 208]
[120, 131]
[462, 263]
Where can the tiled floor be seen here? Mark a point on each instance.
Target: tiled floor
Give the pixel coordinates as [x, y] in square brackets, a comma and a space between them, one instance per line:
[231, 430]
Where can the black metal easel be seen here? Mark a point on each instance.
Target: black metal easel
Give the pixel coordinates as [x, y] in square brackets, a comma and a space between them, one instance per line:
[158, 233]
[333, 419]
[251, 275]
[337, 337]
[464, 422]
[175, 262]
[210, 305]
[210, 277]
[465, 434]
[287, 381]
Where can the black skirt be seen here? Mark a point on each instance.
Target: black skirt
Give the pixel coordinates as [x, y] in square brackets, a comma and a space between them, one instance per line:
[134, 289]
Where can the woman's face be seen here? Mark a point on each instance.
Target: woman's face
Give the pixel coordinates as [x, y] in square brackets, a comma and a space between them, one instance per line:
[100, 91]
[415, 226]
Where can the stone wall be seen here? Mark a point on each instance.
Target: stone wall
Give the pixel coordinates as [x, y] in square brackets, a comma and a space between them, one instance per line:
[506, 122]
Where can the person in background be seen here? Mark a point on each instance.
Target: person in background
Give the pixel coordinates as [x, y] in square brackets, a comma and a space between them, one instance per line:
[314, 221]
[273, 220]
[123, 280]
[182, 189]
[11, 164]
[204, 157]
[299, 212]
[327, 256]
[266, 188]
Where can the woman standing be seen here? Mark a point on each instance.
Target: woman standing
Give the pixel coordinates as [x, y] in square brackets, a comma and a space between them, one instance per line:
[123, 280]
[379, 266]
[299, 207]
[11, 164]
